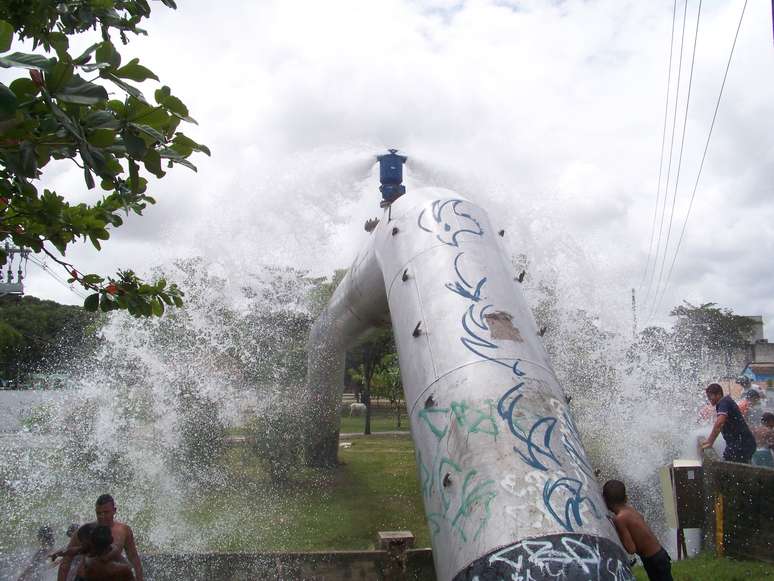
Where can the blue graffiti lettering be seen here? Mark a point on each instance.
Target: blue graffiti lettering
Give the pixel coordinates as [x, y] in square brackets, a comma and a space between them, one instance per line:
[506, 408]
[572, 504]
[439, 215]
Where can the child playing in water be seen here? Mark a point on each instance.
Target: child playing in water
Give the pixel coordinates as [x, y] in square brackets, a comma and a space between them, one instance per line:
[764, 438]
[635, 534]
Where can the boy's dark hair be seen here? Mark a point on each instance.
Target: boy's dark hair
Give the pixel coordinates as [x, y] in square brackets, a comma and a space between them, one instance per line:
[85, 531]
[614, 492]
[714, 389]
[101, 538]
[104, 499]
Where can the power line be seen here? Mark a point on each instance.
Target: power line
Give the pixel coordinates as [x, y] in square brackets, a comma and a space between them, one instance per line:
[671, 148]
[703, 158]
[663, 142]
[56, 277]
[680, 155]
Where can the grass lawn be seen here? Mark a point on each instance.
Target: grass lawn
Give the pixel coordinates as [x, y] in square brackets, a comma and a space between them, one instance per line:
[374, 489]
[706, 567]
[381, 421]
[239, 509]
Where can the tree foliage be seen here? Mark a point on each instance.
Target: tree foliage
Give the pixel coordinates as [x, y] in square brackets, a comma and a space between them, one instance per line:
[85, 109]
[710, 326]
[36, 334]
[706, 342]
[371, 360]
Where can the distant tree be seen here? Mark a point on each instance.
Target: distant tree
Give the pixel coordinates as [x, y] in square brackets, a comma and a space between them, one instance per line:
[710, 326]
[705, 342]
[386, 383]
[43, 335]
[367, 360]
[63, 111]
[321, 293]
[10, 339]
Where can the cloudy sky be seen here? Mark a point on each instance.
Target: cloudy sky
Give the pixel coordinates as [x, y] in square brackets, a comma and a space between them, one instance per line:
[550, 114]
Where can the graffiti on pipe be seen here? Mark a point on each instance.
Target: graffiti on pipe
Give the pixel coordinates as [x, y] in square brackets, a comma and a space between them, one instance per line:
[461, 496]
[561, 556]
[448, 220]
[563, 494]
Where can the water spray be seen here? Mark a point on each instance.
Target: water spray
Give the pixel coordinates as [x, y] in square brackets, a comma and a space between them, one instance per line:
[507, 488]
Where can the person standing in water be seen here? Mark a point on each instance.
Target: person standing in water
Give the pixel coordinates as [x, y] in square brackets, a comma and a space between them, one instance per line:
[740, 443]
[123, 539]
[764, 438]
[635, 534]
[98, 565]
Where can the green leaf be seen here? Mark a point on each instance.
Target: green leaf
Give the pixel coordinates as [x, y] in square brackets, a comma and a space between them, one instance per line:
[60, 43]
[101, 120]
[107, 53]
[186, 163]
[6, 35]
[26, 61]
[42, 155]
[134, 145]
[59, 75]
[92, 302]
[86, 55]
[132, 90]
[24, 88]
[149, 131]
[134, 176]
[92, 279]
[8, 102]
[152, 162]
[170, 102]
[82, 92]
[28, 164]
[101, 137]
[185, 145]
[158, 307]
[136, 72]
[91, 67]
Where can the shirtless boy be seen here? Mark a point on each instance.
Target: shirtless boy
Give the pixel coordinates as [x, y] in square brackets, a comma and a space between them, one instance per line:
[96, 566]
[123, 539]
[635, 534]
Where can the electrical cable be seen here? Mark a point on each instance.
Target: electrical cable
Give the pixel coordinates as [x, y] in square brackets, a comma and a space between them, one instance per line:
[663, 142]
[56, 277]
[680, 155]
[703, 158]
[671, 149]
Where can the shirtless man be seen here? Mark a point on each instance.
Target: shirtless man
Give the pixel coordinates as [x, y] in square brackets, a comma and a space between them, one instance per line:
[635, 534]
[123, 539]
[96, 565]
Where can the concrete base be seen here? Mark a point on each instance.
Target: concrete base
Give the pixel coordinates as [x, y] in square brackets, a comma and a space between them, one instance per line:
[317, 566]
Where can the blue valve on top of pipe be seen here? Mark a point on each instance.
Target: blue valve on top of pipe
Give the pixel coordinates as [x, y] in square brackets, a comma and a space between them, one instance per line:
[391, 175]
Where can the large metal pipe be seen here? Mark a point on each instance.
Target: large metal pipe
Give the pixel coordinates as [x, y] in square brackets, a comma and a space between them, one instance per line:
[507, 488]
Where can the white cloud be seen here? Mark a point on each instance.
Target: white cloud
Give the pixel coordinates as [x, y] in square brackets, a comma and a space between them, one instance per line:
[549, 114]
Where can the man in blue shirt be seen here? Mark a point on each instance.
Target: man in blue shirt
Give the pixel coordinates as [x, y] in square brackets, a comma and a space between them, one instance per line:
[740, 443]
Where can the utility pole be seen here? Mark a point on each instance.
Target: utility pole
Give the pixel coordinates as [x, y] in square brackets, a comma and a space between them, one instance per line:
[634, 315]
[9, 286]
